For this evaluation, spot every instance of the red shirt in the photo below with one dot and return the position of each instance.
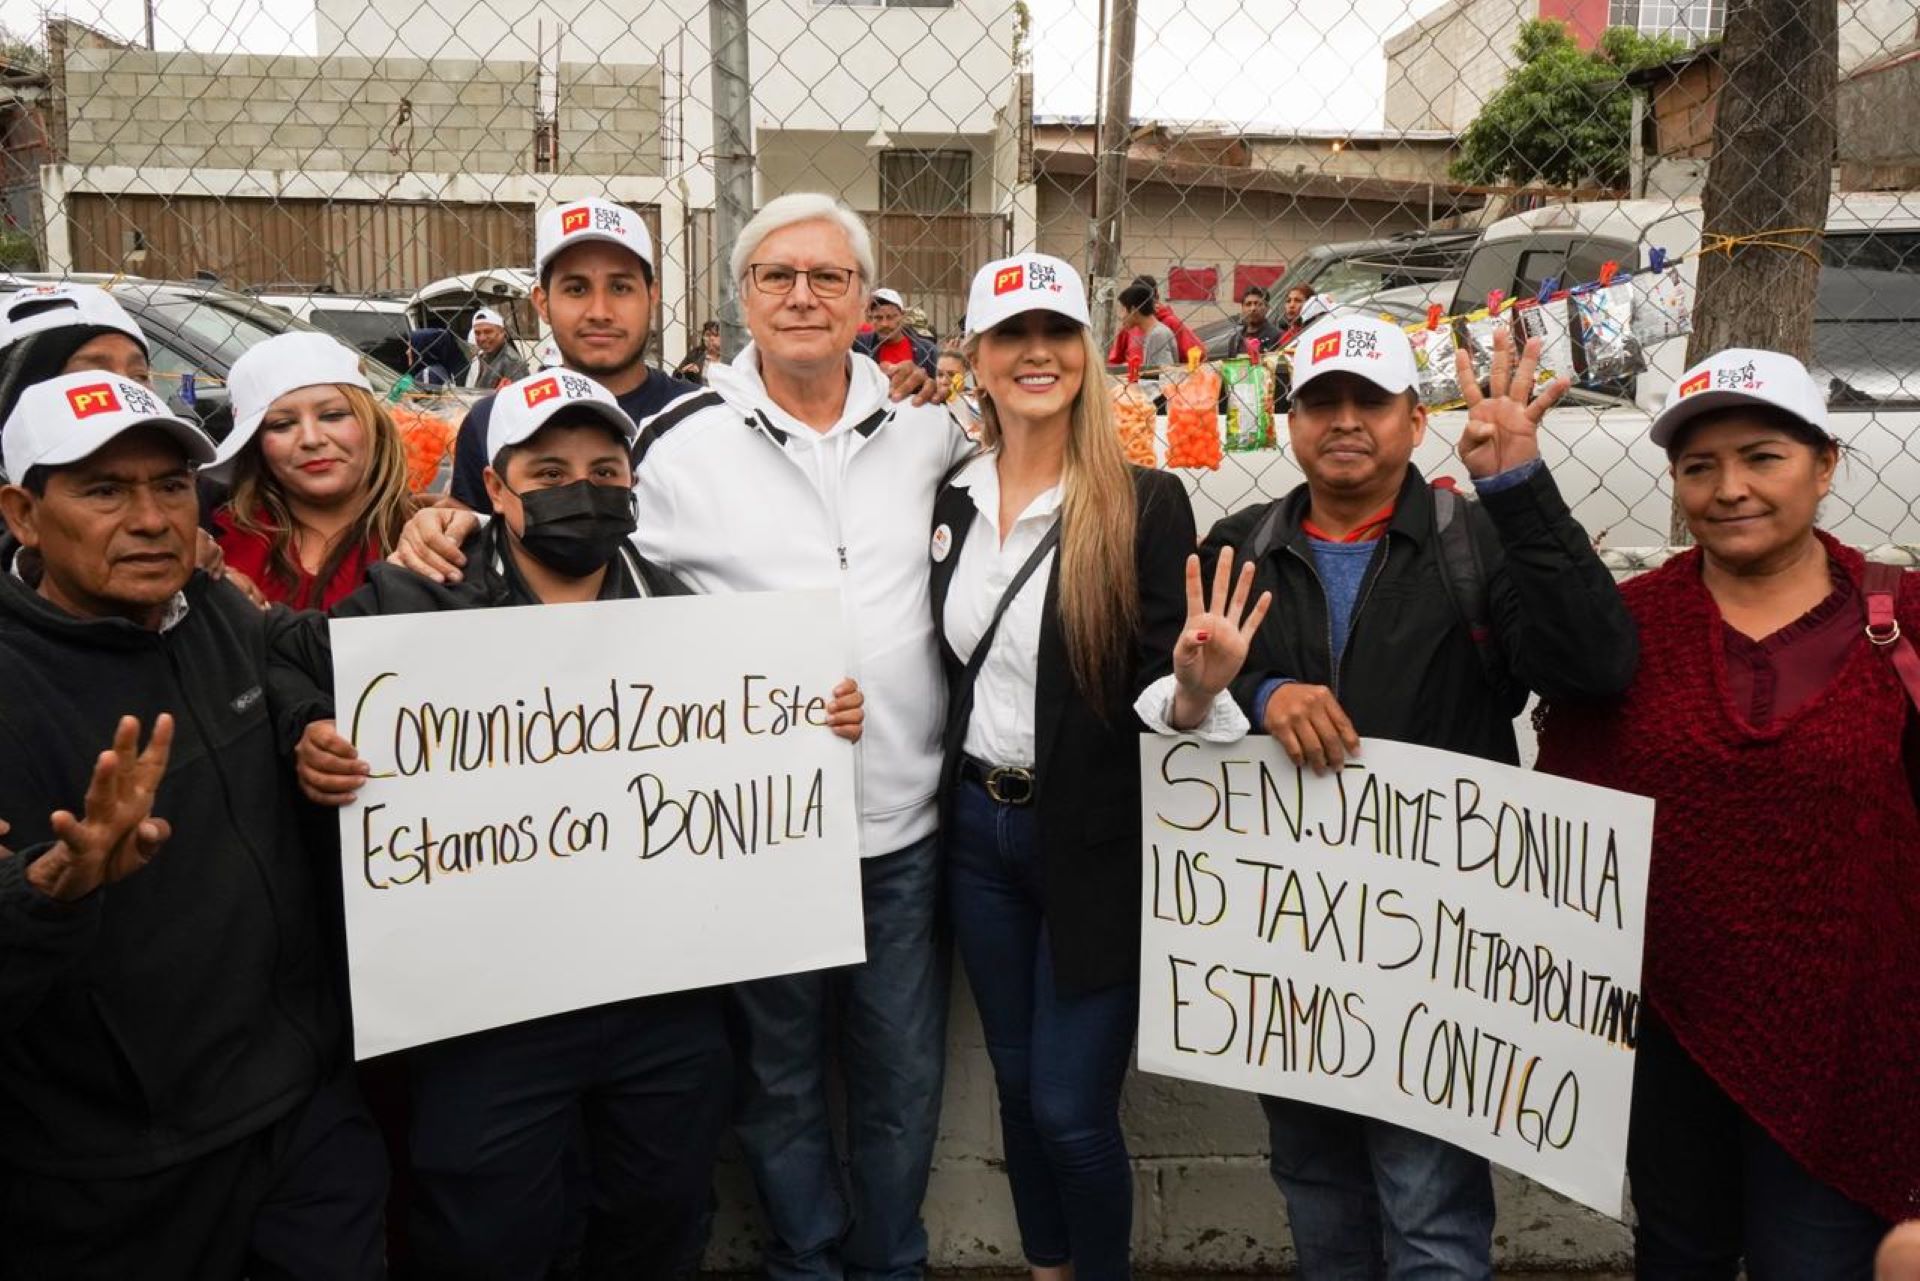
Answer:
(895, 352)
(252, 555)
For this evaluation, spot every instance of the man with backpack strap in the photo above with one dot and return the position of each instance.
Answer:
(1404, 612)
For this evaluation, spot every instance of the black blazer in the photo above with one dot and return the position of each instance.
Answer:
(1087, 759)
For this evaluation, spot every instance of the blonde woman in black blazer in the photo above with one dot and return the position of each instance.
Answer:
(1071, 566)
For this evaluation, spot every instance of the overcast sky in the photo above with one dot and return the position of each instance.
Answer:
(1280, 63)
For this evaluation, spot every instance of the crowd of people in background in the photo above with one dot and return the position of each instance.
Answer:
(176, 1095)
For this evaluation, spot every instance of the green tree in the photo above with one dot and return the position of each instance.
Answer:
(1564, 114)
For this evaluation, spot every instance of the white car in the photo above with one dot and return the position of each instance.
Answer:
(1866, 346)
(375, 326)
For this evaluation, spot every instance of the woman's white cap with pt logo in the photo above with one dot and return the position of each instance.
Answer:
(1026, 282)
(1741, 376)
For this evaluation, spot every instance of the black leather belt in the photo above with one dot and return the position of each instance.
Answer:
(1007, 784)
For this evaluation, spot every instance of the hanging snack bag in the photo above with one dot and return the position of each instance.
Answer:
(1662, 306)
(1134, 415)
(1437, 379)
(1193, 416)
(1249, 425)
(1476, 332)
(1603, 315)
(1546, 319)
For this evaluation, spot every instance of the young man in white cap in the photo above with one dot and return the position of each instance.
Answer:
(596, 292)
(647, 1081)
(494, 362)
(1406, 612)
(172, 1099)
(890, 340)
(796, 469)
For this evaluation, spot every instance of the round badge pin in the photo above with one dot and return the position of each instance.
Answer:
(942, 543)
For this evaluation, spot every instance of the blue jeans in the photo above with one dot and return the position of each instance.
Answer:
(1711, 1188)
(1370, 1200)
(1058, 1061)
(890, 1016)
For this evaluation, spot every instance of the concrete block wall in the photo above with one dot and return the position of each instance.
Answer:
(1202, 1199)
(351, 114)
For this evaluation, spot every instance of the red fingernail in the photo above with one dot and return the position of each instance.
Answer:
(1200, 638)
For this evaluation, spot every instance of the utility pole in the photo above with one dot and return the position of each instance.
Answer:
(1774, 145)
(732, 153)
(1110, 182)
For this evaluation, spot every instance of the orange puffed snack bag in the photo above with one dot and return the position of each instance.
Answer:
(427, 440)
(1193, 416)
(1133, 414)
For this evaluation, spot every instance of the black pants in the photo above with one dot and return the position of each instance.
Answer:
(1712, 1190)
(646, 1083)
(299, 1199)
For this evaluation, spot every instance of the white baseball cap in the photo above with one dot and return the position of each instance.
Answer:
(522, 408)
(1377, 350)
(66, 419)
(1741, 376)
(485, 316)
(269, 370)
(888, 295)
(563, 226)
(44, 307)
(1025, 282)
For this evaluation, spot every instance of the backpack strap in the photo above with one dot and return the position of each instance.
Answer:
(1882, 586)
(1466, 579)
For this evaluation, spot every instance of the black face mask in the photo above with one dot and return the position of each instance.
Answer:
(576, 528)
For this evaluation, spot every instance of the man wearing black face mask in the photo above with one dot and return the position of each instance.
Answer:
(650, 1078)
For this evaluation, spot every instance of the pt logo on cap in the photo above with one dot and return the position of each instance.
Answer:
(545, 389)
(1008, 279)
(1699, 382)
(99, 398)
(575, 220)
(1326, 347)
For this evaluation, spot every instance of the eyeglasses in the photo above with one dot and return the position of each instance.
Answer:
(822, 282)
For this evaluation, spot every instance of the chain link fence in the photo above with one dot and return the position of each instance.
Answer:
(374, 166)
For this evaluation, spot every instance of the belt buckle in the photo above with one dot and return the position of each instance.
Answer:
(1019, 775)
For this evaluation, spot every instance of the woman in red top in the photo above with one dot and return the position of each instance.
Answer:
(318, 472)
(1776, 1110)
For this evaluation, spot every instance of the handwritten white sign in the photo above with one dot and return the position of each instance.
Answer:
(577, 804)
(1432, 939)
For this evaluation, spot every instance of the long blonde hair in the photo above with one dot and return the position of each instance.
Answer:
(258, 505)
(1099, 582)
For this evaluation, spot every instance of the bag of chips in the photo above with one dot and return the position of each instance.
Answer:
(1604, 317)
(1193, 417)
(1476, 333)
(1249, 424)
(1662, 306)
(1436, 376)
(1134, 416)
(1547, 321)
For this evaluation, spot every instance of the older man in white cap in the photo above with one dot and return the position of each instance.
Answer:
(1407, 612)
(889, 339)
(172, 1103)
(494, 359)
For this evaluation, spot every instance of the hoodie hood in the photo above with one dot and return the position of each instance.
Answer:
(740, 385)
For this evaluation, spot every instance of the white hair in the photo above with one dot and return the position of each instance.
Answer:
(799, 207)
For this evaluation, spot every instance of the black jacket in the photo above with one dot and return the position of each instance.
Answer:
(1087, 759)
(188, 1005)
(1411, 670)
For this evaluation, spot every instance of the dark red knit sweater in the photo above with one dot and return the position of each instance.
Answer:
(1783, 915)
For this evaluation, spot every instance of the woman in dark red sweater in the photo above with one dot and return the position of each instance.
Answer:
(1776, 1110)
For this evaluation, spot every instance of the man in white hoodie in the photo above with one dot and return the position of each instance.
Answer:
(795, 470)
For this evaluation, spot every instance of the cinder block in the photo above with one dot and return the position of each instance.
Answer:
(1214, 1214)
(1166, 1117)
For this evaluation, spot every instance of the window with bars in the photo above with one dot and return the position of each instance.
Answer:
(925, 182)
(1692, 20)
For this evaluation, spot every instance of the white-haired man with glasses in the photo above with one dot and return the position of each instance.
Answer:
(829, 484)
